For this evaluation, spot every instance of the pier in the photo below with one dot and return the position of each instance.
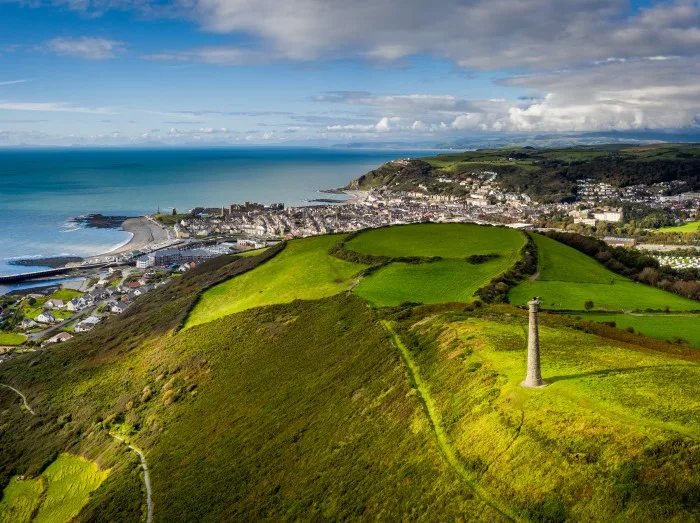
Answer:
(37, 275)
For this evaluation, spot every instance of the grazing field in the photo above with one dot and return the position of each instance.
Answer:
(665, 327)
(302, 271)
(437, 282)
(608, 436)
(559, 262)
(687, 227)
(57, 496)
(66, 294)
(447, 240)
(568, 278)
(253, 252)
(11, 338)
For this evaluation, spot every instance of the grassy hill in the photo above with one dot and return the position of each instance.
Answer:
(288, 406)
(303, 271)
(671, 327)
(545, 174)
(568, 278)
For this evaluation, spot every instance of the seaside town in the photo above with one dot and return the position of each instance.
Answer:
(166, 245)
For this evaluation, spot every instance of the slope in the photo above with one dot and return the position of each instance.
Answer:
(568, 278)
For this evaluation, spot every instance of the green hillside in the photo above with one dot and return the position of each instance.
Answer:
(667, 327)
(546, 174)
(568, 278)
(686, 227)
(447, 240)
(303, 271)
(301, 402)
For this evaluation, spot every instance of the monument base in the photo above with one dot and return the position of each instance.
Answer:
(525, 384)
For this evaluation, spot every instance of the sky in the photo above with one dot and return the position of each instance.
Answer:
(210, 72)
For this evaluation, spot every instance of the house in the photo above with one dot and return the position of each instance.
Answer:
(27, 323)
(87, 324)
(74, 305)
(46, 317)
(54, 304)
(58, 338)
(118, 308)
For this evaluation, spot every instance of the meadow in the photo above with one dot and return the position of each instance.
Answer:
(667, 327)
(302, 271)
(568, 278)
(685, 228)
(11, 338)
(437, 282)
(451, 279)
(56, 496)
(447, 240)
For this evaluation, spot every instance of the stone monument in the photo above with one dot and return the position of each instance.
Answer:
(534, 375)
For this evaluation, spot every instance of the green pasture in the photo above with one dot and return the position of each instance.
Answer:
(11, 338)
(667, 327)
(66, 294)
(57, 496)
(302, 271)
(568, 278)
(686, 227)
(254, 252)
(437, 282)
(559, 262)
(448, 240)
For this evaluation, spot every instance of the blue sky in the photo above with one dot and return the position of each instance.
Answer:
(121, 72)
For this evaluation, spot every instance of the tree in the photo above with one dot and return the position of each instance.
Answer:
(588, 305)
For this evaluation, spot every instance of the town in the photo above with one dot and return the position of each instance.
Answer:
(204, 233)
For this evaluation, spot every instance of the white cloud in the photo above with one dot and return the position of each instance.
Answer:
(51, 107)
(86, 47)
(12, 82)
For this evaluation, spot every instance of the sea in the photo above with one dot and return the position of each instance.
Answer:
(43, 190)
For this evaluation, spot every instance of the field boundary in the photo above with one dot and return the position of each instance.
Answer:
(448, 452)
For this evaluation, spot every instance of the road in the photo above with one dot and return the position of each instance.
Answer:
(24, 398)
(146, 477)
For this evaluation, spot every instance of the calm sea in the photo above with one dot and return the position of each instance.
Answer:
(41, 190)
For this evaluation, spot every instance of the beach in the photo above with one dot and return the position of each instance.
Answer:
(145, 232)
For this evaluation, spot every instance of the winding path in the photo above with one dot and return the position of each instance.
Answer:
(435, 422)
(24, 398)
(146, 477)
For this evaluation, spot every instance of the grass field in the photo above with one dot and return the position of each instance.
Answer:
(608, 435)
(687, 227)
(568, 278)
(254, 252)
(11, 338)
(302, 271)
(448, 240)
(57, 496)
(438, 282)
(661, 326)
(66, 294)
(449, 280)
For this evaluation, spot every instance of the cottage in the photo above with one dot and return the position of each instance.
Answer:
(54, 304)
(58, 338)
(46, 317)
(27, 323)
(118, 308)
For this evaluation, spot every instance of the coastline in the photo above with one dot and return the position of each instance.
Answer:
(144, 233)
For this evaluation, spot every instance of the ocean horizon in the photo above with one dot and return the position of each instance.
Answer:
(43, 190)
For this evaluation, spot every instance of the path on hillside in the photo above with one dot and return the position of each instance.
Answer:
(146, 477)
(435, 423)
(24, 398)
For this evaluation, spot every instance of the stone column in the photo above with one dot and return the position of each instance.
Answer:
(534, 376)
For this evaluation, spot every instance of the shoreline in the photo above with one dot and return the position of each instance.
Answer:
(144, 233)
